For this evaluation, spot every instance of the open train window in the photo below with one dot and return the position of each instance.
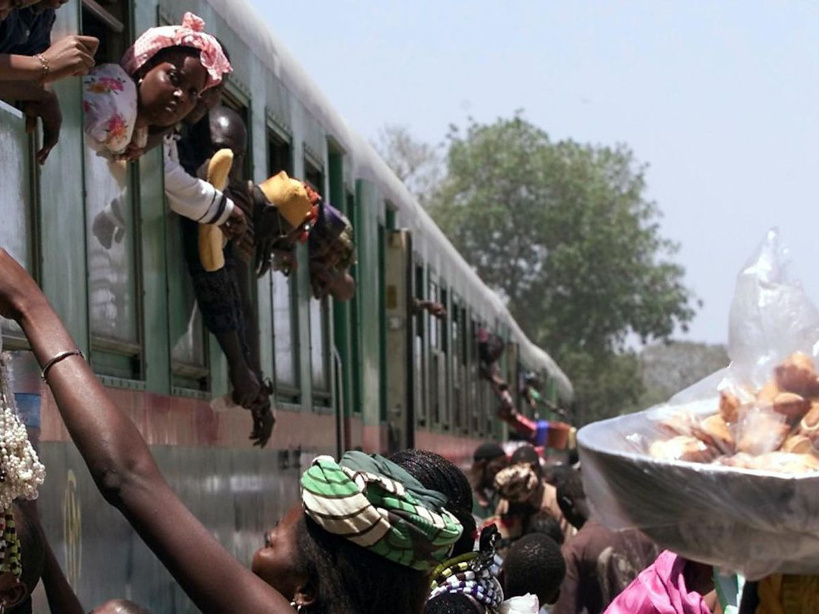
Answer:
(108, 20)
(319, 313)
(284, 290)
(113, 248)
(436, 386)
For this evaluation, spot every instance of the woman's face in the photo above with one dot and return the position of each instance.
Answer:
(275, 563)
(170, 90)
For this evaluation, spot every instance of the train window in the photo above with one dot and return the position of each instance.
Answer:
(474, 382)
(108, 21)
(319, 315)
(286, 327)
(112, 227)
(15, 197)
(435, 359)
(421, 375)
(319, 351)
(284, 291)
(445, 367)
(355, 323)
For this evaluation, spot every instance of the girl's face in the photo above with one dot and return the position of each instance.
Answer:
(275, 563)
(7, 7)
(170, 90)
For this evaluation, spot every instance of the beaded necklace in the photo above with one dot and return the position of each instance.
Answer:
(21, 472)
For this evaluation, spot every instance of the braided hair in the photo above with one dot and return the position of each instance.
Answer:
(437, 473)
(453, 603)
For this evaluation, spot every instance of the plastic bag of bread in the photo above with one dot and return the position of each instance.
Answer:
(727, 471)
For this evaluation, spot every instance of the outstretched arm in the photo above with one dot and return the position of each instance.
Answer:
(122, 465)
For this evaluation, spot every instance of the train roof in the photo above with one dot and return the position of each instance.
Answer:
(428, 239)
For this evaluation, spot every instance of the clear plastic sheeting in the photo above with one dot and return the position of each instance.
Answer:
(753, 521)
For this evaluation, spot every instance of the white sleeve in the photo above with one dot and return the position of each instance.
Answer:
(192, 197)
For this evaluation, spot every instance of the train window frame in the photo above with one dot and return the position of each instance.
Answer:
(357, 392)
(434, 355)
(445, 332)
(420, 346)
(119, 363)
(315, 175)
(279, 137)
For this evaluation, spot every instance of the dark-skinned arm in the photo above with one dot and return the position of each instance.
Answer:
(124, 469)
(61, 597)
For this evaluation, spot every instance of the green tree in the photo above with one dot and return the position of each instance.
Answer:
(417, 164)
(668, 368)
(565, 233)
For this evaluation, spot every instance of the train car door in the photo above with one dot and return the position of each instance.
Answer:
(399, 358)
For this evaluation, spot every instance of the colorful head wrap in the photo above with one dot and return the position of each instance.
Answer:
(190, 34)
(473, 573)
(517, 483)
(377, 505)
(332, 226)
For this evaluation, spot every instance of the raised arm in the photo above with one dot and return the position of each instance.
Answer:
(122, 465)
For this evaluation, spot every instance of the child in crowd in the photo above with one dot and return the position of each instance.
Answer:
(487, 460)
(156, 84)
(119, 606)
(533, 566)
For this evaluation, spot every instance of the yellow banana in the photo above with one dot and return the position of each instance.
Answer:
(211, 239)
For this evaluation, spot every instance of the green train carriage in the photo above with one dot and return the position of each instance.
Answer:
(367, 373)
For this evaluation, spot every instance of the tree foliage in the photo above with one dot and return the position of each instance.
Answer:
(565, 233)
(419, 165)
(668, 368)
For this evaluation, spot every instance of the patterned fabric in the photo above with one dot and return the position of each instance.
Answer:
(517, 483)
(377, 505)
(473, 573)
(110, 105)
(190, 34)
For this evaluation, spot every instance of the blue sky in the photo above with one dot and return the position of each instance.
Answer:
(720, 99)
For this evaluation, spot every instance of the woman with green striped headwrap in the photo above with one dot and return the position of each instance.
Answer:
(366, 540)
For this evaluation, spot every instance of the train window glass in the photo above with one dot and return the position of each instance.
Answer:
(319, 315)
(319, 352)
(474, 394)
(457, 389)
(112, 226)
(434, 360)
(108, 21)
(284, 290)
(15, 197)
(285, 326)
(445, 369)
(421, 375)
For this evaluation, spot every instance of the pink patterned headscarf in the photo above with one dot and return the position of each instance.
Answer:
(190, 34)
